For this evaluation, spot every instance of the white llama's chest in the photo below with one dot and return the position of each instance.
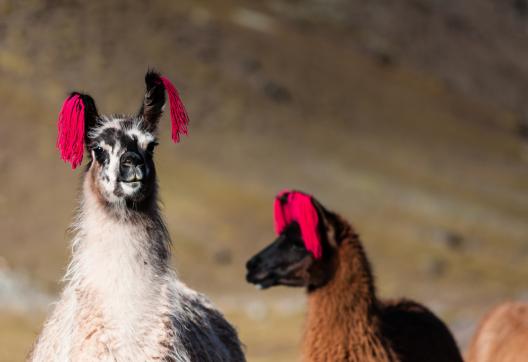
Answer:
(137, 332)
(122, 303)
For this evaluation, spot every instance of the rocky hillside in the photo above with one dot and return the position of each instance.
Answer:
(407, 117)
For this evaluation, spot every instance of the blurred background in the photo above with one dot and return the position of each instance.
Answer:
(409, 118)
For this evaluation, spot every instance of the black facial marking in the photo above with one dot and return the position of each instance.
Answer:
(127, 124)
(108, 136)
(129, 144)
(151, 146)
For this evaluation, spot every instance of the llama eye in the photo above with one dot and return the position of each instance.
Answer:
(99, 154)
(151, 146)
(299, 243)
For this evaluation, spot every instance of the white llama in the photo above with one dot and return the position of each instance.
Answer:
(121, 301)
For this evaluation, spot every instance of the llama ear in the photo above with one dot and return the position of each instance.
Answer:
(90, 115)
(327, 226)
(152, 107)
(297, 206)
(77, 116)
(154, 101)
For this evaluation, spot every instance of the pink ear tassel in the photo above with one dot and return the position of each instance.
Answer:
(299, 208)
(280, 220)
(305, 214)
(70, 138)
(179, 117)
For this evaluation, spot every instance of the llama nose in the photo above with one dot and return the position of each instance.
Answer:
(132, 167)
(252, 262)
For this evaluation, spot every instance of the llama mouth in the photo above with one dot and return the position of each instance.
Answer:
(267, 283)
(130, 187)
(262, 280)
(131, 183)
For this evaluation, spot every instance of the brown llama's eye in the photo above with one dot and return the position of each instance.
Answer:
(297, 242)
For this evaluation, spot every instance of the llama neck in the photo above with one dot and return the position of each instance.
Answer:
(117, 255)
(342, 321)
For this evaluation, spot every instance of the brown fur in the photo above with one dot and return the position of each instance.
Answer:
(502, 336)
(346, 321)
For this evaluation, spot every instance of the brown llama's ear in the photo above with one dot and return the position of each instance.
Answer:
(327, 226)
(154, 100)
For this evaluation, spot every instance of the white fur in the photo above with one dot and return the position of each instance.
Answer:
(106, 123)
(121, 301)
(130, 188)
(111, 170)
(143, 138)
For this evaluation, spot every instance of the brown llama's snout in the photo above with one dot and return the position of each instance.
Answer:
(284, 262)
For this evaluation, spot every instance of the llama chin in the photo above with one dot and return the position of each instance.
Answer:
(130, 188)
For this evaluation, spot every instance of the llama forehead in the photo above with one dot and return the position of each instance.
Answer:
(143, 138)
(121, 132)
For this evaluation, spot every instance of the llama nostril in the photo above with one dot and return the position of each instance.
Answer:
(140, 172)
(131, 159)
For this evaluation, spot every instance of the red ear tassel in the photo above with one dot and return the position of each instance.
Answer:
(280, 218)
(299, 208)
(70, 138)
(179, 117)
(304, 212)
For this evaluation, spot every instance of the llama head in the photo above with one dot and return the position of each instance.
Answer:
(301, 255)
(121, 168)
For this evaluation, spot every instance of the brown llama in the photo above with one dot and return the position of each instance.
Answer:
(502, 335)
(345, 321)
